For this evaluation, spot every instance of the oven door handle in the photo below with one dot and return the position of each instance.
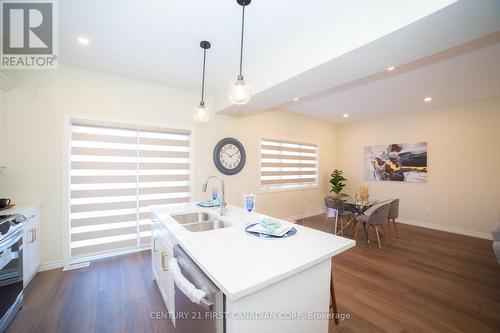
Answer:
(188, 288)
(6, 251)
(11, 240)
(5, 257)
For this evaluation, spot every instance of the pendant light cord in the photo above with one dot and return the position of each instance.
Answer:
(241, 46)
(203, 76)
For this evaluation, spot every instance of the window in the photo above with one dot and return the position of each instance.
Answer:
(288, 165)
(116, 173)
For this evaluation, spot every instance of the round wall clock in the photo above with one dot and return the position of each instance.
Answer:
(229, 156)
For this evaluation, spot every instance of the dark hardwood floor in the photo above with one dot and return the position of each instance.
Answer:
(425, 281)
(112, 295)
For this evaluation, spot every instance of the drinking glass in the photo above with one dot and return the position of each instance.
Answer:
(249, 200)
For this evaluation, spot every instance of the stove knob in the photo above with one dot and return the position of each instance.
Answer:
(19, 219)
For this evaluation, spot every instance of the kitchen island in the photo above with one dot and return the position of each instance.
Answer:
(280, 285)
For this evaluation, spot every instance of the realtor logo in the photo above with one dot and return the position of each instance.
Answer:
(28, 34)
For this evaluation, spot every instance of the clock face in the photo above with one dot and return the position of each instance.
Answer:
(229, 156)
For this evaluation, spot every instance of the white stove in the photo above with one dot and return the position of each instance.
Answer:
(11, 267)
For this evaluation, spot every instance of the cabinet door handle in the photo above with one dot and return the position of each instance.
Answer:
(164, 256)
(154, 244)
(32, 235)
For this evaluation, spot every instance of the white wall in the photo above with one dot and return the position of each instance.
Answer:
(463, 189)
(33, 145)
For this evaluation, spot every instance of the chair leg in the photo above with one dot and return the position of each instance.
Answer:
(378, 237)
(333, 301)
(342, 226)
(356, 231)
(326, 219)
(335, 224)
(395, 227)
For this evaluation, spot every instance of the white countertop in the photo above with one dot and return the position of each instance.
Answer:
(240, 264)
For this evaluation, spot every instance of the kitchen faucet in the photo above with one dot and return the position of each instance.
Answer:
(223, 208)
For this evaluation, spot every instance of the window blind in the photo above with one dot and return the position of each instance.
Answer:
(115, 174)
(288, 165)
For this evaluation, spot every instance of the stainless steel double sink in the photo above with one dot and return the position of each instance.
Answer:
(198, 222)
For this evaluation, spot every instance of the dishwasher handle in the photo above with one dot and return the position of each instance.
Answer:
(194, 294)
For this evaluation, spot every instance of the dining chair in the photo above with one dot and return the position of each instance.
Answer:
(377, 216)
(393, 215)
(336, 209)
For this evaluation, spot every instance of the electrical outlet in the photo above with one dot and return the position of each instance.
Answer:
(427, 209)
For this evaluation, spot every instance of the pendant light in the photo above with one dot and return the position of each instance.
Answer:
(202, 114)
(239, 91)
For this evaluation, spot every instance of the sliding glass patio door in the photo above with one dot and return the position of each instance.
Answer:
(116, 173)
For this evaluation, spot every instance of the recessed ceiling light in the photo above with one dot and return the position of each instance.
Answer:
(391, 68)
(295, 99)
(346, 115)
(427, 99)
(83, 40)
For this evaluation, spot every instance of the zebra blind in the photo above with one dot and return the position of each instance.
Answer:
(288, 165)
(116, 173)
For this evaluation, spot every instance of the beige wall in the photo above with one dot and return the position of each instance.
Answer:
(463, 188)
(33, 144)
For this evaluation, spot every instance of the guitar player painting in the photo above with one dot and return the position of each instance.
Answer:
(400, 162)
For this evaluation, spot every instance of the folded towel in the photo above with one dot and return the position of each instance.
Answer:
(209, 203)
(279, 232)
(195, 295)
(270, 224)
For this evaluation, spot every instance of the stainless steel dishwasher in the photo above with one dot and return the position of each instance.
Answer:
(206, 317)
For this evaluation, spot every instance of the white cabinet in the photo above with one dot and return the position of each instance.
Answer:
(165, 276)
(161, 253)
(31, 243)
(155, 252)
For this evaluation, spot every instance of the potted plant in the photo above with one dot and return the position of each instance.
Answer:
(337, 184)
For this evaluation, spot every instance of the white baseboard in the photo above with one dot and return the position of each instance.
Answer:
(305, 215)
(110, 254)
(47, 266)
(446, 228)
(54, 264)
(76, 266)
(415, 223)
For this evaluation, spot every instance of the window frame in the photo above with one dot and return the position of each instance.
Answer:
(264, 190)
(68, 120)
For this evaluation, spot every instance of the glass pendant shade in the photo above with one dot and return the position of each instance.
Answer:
(239, 92)
(201, 113)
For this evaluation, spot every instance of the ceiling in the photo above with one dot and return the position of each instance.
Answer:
(471, 76)
(331, 54)
(459, 28)
(158, 40)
